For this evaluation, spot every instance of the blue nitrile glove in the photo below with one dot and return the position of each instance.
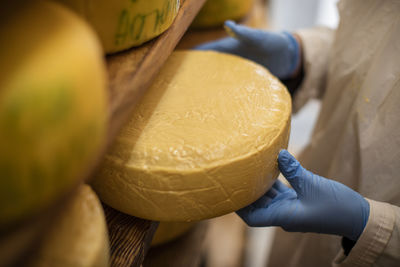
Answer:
(279, 52)
(315, 204)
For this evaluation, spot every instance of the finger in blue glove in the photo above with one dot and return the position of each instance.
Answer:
(313, 204)
(277, 51)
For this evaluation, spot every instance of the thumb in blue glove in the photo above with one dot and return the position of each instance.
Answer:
(315, 204)
(278, 52)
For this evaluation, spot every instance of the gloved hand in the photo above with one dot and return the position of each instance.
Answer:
(315, 204)
(278, 52)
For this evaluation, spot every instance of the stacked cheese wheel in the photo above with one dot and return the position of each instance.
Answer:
(202, 142)
(215, 12)
(53, 107)
(122, 24)
(78, 236)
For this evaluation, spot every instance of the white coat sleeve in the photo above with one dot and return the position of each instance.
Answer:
(379, 244)
(316, 44)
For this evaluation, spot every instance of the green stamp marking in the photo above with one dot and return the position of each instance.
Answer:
(130, 26)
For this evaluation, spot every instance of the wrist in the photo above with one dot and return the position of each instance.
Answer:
(361, 212)
(295, 79)
(299, 63)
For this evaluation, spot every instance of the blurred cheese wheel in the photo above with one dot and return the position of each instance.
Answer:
(168, 231)
(203, 141)
(122, 24)
(53, 106)
(78, 236)
(215, 12)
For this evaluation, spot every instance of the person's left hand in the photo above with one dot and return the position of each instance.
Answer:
(279, 52)
(315, 204)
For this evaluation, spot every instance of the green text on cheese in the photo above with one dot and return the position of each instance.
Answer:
(122, 24)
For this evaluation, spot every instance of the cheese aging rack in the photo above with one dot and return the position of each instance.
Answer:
(130, 73)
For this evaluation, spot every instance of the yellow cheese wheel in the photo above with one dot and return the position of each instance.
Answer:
(168, 231)
(122, 24)
(215, 12)
(203, 141)
(78, 236)
(52, 106)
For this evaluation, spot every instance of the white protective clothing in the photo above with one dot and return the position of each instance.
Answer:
(356, 141)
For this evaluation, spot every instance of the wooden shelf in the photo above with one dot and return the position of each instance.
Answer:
(130, 74)
(129, 237)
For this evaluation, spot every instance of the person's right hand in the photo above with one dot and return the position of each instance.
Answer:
(279, 52)
(313, 204)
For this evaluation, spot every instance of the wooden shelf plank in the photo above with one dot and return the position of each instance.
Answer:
(130, 237)
(130, 74)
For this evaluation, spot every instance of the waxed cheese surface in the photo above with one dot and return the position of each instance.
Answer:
(202, 142)
(53, 106)
(216, 12)
(78, 236)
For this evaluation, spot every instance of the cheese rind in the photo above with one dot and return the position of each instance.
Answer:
(202, 142)
(216, 12)
(78, 236)
(122, 24)
(53, 107)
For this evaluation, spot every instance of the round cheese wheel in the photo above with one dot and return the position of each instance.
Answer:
(53, 106)
(203, 141)
(215, 12)
(78, 236)
(122, 24)
(168, 231)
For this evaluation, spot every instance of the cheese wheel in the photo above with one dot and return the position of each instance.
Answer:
(215, 12)
(52, 106)
(78, 236)
(168, 231)
(122, 24)
(203, 141)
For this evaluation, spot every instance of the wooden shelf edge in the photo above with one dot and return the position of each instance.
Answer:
(130, 237)
(130, 74)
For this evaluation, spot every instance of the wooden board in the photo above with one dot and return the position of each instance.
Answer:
(129, 237)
